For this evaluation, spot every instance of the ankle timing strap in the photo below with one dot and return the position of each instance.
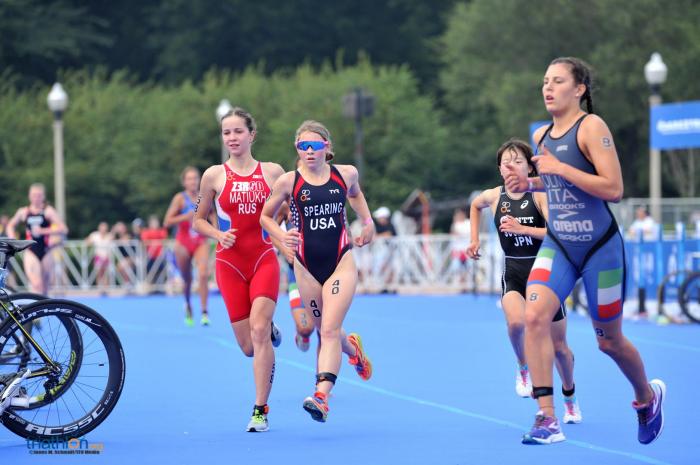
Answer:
(568, 393)
(542, 391)
(325, 376)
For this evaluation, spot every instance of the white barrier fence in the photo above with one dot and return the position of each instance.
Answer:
(406, 264)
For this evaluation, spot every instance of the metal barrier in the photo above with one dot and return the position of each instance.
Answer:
(406, 264)
(425, 264)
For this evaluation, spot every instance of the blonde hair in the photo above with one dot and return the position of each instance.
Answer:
(317, 128)
(37, 185)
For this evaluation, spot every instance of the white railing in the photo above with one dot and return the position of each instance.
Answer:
(407, 264)
(420, 264)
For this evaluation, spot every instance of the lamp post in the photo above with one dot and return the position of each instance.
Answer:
(223, 108)
(58, 102)
(655, 72)
(356, 105)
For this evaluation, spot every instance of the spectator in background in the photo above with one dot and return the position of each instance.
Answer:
(382, 251)
(644, 226)
(459, 230)
(152, 238)
(126, 254)
(101, 240)
(382, 217)
(136, 228)
(4, 219)
(695, 220)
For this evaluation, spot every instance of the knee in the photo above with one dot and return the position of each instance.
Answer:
(561, 349)
(260, 331)
(610, 347)
(536, 319)
(328, 334)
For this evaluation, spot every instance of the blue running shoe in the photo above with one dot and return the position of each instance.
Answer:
(651, 414)
(275, 335)
(546, 430)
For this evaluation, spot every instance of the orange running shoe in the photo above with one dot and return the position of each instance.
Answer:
(360, 361)
(317, 406)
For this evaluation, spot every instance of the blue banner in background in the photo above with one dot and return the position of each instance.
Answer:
(675, 126)
(534, 126)
(649, 262)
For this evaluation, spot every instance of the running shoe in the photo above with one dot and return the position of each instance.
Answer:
(275, 335)
(302, 342)
(189, 321)
(546, 430)
(205, 319)
(572, 412)
(360, 361)
(258, 422)
(523, 384)
(651, 414)
(317, 406)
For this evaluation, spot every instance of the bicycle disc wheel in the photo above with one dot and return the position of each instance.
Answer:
(79, 395)
(689, 297)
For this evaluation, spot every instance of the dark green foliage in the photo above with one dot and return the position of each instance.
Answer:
(127, 142)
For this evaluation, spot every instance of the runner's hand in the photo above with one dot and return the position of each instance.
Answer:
(513, 181)
(546, 163)
(510, 225)
(291, 239)
(365, 236)
(473, 251)
(227, 238)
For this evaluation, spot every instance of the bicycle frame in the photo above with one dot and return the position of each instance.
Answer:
(52, 367)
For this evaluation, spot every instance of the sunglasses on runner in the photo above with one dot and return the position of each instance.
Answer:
(315, 145)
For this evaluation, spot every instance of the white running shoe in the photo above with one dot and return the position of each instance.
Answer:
(258, 422)
(572, 411)
(523, 384)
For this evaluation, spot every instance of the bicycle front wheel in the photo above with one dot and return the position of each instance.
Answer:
(689, 297)
(78, 393)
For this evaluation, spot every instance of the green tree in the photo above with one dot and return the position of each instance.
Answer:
(174, 40)
(126, 141)
(496, 52)
(38, 37)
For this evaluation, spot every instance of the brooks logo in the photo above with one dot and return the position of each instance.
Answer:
(562, 148)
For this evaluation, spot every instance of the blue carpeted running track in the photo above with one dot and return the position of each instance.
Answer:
(442, 392)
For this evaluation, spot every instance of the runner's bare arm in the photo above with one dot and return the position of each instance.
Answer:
(358, 203)
(172, 215)
(205, 200)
